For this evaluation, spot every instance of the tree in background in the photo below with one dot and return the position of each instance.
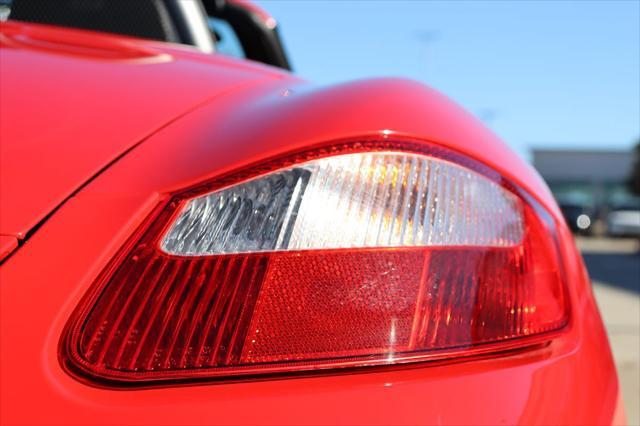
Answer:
(634, 181)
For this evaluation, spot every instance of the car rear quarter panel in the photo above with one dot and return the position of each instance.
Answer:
(570, 380)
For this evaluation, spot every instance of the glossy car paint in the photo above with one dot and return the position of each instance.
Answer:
(49, 78)
(570, 380)
(8, 243)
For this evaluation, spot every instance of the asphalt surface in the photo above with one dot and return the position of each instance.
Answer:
(614, 267)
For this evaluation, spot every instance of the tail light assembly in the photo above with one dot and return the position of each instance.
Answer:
(354, 254)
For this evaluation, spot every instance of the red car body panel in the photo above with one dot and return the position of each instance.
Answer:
(249, 113)
(8, 243)
(54, 75)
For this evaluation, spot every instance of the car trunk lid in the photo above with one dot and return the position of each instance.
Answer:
(73, 102)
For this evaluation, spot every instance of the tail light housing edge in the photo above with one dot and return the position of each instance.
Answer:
(357, 253)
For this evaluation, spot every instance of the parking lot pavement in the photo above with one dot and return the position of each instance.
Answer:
(614, 267)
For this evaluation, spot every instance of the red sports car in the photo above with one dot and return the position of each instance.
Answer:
(189, 238)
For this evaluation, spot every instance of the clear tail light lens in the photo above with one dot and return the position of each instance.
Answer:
(332, 258)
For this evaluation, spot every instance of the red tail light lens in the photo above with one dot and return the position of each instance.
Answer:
(354, 255)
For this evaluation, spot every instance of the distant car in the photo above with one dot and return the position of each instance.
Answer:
(188, 238)
(624, 219)
(579, 217)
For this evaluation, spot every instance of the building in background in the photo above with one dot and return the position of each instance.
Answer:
(588, 184)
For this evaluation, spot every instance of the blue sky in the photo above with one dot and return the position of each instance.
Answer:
(539, 73)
